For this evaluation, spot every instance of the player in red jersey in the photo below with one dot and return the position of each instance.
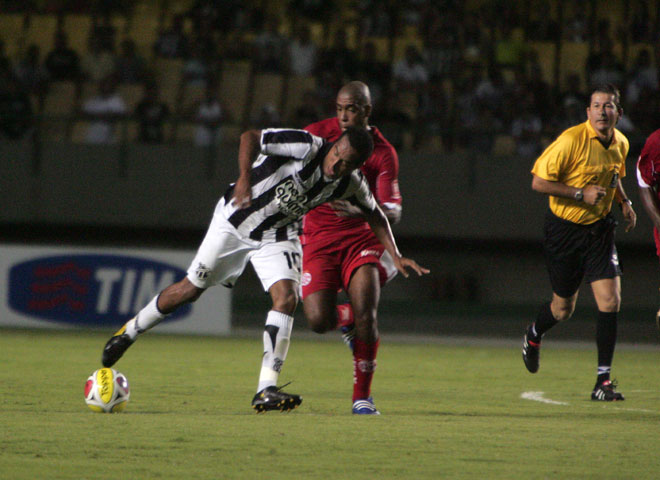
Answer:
(340, 252)
(648, 179)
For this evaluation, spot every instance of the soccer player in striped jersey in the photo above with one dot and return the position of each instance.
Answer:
(648, 180)
(283, 174)
(341, 252)
(581, 173)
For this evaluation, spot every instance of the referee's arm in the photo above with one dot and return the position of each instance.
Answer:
(591, 194)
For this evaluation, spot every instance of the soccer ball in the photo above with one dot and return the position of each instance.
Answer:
(106, 391)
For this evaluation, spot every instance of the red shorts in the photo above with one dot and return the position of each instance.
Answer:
(656, 237)
(330, 263)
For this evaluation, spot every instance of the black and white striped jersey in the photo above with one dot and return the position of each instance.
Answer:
(287, 180)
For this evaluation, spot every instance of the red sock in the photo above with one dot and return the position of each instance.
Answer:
(344, 315)
(364, 364)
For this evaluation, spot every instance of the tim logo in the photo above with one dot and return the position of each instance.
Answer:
(95, 290)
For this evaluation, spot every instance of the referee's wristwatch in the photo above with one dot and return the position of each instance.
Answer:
(625, 200)
(579, 195)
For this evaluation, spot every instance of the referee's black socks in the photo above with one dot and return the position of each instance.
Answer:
(606, 327)
(544, 322)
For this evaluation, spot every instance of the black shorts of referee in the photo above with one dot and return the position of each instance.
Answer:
(574, 252)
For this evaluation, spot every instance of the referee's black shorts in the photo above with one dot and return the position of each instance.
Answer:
(574, 252)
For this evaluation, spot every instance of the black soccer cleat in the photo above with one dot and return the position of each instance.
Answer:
(531, 352)
(605, 392)
(273, 398)
(115, 347)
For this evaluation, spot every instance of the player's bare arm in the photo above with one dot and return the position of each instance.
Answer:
(344, 208)
(629, 214)
(247, 151)
(381, 228)
(591, 194)
(651, 205)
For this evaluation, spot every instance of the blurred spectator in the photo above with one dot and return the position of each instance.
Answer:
(130, 66)
(303, 54)
(268, 116)
(574, 93)
(608, 69)
(5, 64)
(32, 75)
(339, 57)
(309, 111)
(541, 24)
(643, 77)
(373, 71)
(540, 90)
(196, 71)
(103, 32)
(640, 22)
(103, 110)
(393, 121)
(466, 107)
(526, 129)
(486, 127)
(572, 112)
(576, 28)
(209, 116)
(270, 48)
(205, 13)
(441, 51)
(327, 85)
(151, 114)
(15, 108)
(62, 62)
(490, 89)
(172, 42)
(474, 40)
(375, 18)
(435, 118)
(409, 73)
(510, 48)
(98, 63)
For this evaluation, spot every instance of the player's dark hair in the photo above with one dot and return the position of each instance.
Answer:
(361, 141)
(610, 89)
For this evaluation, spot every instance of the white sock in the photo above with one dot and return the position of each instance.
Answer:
(276, 345)
(146, 318)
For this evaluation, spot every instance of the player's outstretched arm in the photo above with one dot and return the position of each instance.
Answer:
(247, 151)
(381, 228)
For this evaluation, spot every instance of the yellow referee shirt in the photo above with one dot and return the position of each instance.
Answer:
(577, 158)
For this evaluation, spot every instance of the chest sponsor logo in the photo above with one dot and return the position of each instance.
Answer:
(89, 289)
(289, 199)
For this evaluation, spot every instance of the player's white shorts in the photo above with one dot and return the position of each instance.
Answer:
(224, 254)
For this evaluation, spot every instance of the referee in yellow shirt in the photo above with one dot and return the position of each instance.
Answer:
(581, 173)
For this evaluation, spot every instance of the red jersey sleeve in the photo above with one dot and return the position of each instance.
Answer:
(328, 129)
(648, 164)
(387, 182)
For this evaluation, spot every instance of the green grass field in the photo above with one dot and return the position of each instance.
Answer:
(448, 411)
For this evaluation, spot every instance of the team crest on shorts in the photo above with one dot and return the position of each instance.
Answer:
(306, 278)
(202, 271)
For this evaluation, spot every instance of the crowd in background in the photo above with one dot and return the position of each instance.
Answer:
(467, 77)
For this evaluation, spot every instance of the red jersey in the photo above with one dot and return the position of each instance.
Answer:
(381, 171)
(648, 172)
(648, 164)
